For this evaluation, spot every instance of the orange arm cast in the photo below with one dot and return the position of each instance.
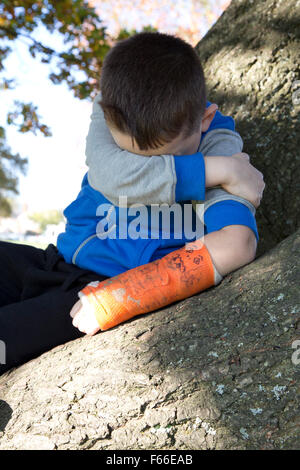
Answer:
(180, 274)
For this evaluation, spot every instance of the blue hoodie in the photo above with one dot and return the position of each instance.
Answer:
(96, 233)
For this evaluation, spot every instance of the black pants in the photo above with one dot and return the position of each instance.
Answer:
(37, 291)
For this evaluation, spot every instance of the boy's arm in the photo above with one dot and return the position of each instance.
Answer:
(147, 180)
(223, 142)
(157, 179)
(114, 171)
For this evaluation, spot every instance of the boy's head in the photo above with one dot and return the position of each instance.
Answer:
(153, 94)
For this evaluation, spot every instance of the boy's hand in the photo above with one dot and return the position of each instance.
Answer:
(84, 319)
(243, 179)
(236, 175)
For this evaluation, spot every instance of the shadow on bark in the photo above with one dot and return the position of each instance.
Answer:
(5, 414)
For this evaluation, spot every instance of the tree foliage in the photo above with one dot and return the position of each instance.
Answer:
(82, 30)
(9, 163)
(78, 64)
(47, 218)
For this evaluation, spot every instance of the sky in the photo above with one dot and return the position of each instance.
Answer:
(57, 164)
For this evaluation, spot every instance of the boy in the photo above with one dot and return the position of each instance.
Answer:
(113, 172)
(38, 288)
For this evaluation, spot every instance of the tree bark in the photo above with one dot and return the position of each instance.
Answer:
(212, 372)
(251, 58)
(218, 370)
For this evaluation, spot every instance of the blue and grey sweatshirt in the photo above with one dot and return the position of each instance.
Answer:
(96, 233)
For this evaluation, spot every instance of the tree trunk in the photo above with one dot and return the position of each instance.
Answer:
(212, 372)
(218, 370)
(251, 58)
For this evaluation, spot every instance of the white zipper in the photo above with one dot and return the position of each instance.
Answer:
(81, 246)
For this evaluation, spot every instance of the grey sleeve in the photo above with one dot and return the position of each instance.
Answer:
(115, 172)
(221, 142)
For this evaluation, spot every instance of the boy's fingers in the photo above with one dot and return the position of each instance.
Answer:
(82, 320)
(242, 155)
(245, 155)
(75, 321)
(78, 318)
(92, 332)
(91, 329)
(90, 325)
(76, 307)
(85, 324)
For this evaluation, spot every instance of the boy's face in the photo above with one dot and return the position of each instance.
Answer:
(178, 146)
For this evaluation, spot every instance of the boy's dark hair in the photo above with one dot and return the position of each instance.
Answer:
(153, 88)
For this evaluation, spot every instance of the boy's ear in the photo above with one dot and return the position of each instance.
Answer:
(208, 116)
